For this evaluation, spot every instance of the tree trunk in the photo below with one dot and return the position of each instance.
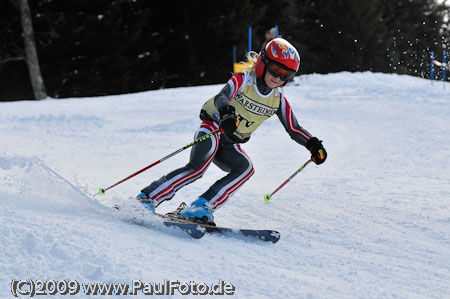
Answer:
(30, 51)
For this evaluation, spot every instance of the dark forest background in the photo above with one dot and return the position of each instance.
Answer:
(100, 47)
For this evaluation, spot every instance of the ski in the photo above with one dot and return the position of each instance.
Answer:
(198, 230)
(192, 229)
(260, 234)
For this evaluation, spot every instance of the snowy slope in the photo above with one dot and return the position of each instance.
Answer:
(373, 221)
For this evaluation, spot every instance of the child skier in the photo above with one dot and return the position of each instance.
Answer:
(238, 109)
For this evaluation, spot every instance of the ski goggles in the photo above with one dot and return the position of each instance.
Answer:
(278, 71)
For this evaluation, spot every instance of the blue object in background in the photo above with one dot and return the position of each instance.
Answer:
(444, 68)
(249, 38)
(432, 67)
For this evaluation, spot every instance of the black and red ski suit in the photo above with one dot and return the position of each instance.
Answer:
(254, 103)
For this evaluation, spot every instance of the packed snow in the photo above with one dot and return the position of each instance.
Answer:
(372, 222)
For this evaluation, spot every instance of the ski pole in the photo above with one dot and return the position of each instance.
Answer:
(102, 191)
(268, 197)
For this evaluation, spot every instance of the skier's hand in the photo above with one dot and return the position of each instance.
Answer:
(228, 120)
(318, 152)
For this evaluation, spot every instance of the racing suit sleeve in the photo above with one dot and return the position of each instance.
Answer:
(228, 92)
(290, 123)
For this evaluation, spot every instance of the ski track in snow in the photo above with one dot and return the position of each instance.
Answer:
(372, 222)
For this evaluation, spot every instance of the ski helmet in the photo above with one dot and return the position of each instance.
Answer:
(278, 52)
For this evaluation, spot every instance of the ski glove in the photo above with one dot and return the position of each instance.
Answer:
(228, 120)
(318, 152)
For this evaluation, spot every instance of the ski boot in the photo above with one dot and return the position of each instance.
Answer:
(200, 211)
(146, 201)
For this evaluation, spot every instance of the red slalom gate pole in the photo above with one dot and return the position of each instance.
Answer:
(102, 191)
(268, 197)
